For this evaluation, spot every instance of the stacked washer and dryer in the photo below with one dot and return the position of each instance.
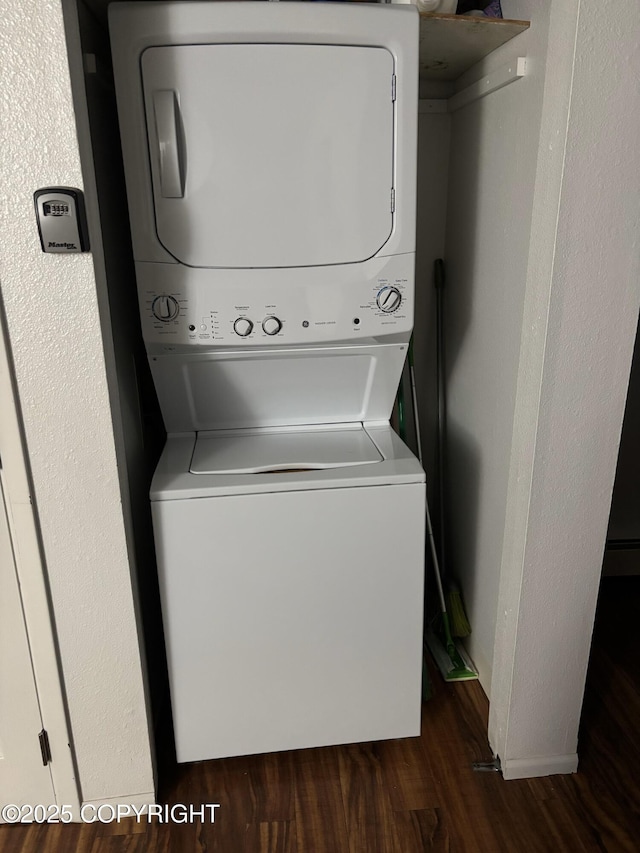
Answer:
(270, 162)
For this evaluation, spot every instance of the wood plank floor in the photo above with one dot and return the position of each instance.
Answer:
(410, 795)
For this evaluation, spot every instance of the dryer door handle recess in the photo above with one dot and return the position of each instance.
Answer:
(166, 111)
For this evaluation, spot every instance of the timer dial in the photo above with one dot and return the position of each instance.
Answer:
(165, 308)
(389, 299)
(271, 325)
(243, 327)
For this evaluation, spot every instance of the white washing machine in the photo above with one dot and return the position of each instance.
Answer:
(270, 161)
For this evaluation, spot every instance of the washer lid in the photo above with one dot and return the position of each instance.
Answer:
(268, 451)
(270, 155)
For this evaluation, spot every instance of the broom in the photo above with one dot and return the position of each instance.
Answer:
(451, 659)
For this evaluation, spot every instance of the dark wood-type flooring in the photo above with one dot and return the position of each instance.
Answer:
(415, 794)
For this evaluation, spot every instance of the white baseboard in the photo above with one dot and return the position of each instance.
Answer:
(550, 765)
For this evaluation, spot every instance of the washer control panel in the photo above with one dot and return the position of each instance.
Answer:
(264, 307)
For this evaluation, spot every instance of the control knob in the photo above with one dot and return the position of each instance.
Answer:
(165, 308)
(389, 299)
(243, 327)
(271, 325)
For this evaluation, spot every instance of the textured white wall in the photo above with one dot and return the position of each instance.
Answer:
(54, 329)
(578, 334)
(492, 172)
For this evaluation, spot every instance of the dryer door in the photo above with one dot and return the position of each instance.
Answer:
(270, 155)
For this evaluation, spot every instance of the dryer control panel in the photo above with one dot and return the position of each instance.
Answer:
(244, 308)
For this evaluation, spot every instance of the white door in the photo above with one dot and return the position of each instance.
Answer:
(24, 778)
(270, 155)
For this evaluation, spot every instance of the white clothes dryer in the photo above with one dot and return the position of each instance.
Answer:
(269, 153)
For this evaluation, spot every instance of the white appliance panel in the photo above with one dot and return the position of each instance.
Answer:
(293, 619)
(276, 155)
(314, 305)
(223, 390)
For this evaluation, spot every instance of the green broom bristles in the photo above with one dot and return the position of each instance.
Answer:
(458, 621)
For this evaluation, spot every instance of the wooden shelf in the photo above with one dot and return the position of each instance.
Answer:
(450, 44)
